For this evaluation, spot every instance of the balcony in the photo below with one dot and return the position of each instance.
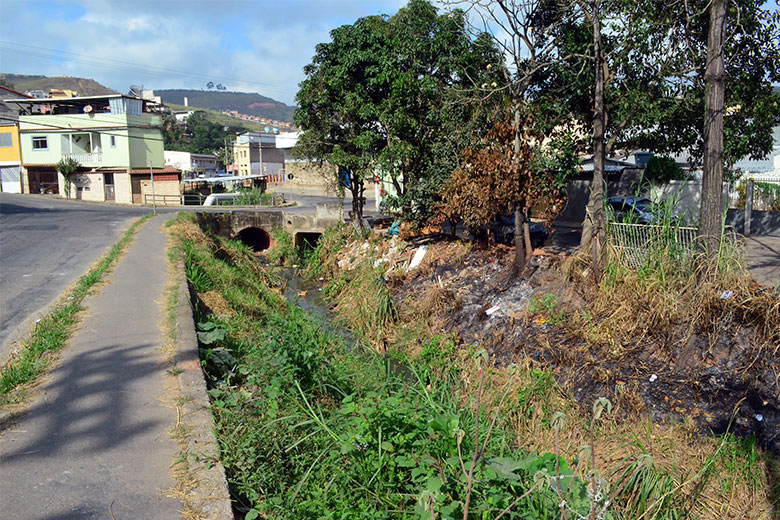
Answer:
(86, 159)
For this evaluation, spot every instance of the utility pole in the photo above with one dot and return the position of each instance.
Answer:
(225, 128)
(154, 198)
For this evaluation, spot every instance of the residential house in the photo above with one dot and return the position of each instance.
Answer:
(10, 150)
(115, 138)
(58, 93)
(193, 164)
(256, 154)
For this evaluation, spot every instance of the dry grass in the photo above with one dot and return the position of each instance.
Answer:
(688, 472)
(216, 303)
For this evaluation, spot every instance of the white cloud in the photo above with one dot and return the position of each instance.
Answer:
(258, 46)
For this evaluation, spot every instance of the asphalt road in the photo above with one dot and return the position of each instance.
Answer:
(45, 245)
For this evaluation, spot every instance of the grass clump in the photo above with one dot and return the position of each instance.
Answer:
(53, 330)
(283, 251)
(308, 429)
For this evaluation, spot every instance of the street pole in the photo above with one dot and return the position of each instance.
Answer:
(154, 198)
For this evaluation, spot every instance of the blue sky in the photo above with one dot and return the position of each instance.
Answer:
(247, 45)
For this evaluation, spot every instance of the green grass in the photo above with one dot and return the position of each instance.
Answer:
(307, 428)
(53, 330)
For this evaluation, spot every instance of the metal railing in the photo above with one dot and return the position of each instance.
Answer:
(193, 199)
(165, 200)
(634, 241)
(85, 158)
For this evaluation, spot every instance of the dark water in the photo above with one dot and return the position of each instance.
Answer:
(313, 302)
(315, 305)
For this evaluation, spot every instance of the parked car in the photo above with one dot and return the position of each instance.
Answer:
(636, 210)
(503, 231)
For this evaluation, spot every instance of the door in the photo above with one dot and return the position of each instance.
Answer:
(135, 184)
(109, 186)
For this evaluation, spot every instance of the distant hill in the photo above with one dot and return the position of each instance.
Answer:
(84, 86)
(242, 102)
(220, 118)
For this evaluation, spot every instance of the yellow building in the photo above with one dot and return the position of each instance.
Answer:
(10, 159)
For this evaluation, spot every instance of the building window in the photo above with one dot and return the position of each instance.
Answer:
(40, 143)
(6, 141)
(113, 141)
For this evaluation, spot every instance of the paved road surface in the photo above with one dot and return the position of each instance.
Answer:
(45, 245)
(762, 254)
(94, 442)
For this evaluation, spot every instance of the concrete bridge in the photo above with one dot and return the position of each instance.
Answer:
(254, 227)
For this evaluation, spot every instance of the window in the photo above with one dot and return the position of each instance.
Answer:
(40, 143)
(6, 141)
(113, 141)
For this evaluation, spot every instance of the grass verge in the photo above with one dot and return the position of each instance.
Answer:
(666, 467)
(308, 429)
(53, 330)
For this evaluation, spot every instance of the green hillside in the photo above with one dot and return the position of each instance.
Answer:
(84, 86)
(219, 118)
(244, 102)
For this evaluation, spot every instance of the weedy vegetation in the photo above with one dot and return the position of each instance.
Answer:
(309, 428)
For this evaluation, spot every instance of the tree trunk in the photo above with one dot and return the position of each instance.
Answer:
(593, 226)
(519, 247)
(356, 187)
(710, 226)
(527, 234)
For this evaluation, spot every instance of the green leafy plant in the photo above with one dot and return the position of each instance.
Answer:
(68, 167)
(547, 305)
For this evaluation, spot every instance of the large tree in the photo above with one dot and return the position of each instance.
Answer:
(339, 103)
(379, 98)
(423, 117)
(651, 81)
(522, 30)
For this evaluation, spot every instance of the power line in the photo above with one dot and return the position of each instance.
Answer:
(123, 66)
(84, 130)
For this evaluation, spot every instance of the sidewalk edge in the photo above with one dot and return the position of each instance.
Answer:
(211, 491)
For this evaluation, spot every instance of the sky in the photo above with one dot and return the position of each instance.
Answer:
(247, 45)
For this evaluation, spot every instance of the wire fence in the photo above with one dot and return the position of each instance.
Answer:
(635, 241)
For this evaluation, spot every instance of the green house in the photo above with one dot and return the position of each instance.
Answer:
(116, 139)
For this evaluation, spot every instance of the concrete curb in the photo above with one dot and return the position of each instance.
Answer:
(210, 495)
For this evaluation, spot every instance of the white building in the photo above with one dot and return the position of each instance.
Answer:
(192, 164)
(285, 141)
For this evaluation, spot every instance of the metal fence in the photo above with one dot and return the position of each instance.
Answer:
(165, 200)
(765, 197)
(634, 241)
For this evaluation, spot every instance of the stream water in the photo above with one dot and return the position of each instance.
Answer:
(307, 294)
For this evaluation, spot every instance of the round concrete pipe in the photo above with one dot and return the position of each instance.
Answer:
(256, 238)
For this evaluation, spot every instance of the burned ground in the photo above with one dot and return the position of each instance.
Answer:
(719, 372)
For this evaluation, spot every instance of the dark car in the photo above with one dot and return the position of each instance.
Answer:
(503, 231)
(635, 210)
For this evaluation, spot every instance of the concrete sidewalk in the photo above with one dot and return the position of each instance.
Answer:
(762, 254)
(94, 443)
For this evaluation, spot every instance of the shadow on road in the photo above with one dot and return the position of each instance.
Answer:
(87, 408)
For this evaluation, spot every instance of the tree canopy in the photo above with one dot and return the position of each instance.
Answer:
(380, 97)
(198, 134)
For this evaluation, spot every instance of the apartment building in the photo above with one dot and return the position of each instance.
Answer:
(256, 154)
(116, 139)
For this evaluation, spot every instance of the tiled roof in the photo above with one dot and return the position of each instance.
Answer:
(167, 169)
